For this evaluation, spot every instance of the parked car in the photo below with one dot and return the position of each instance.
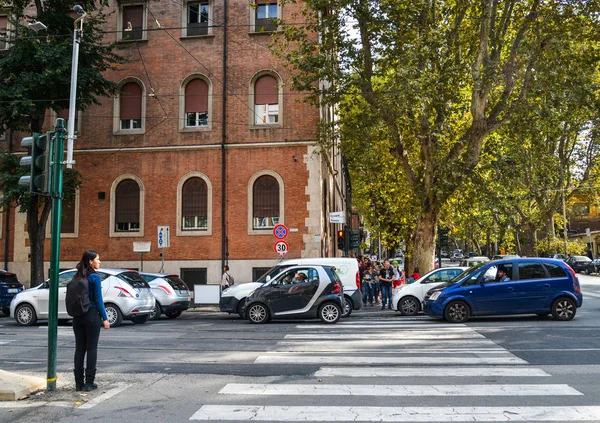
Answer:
(171, 293)
(9, 287)
(578, 263)
(473, 261)
(233, 298)
(505, 256)
(456, 256)
(318, 293)
(407, 298)
(126, 296)
(593, 266)
(558, 256)
(537, 285)
(445, 254)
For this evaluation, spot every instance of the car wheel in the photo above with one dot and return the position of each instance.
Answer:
(6, 311)
(25, 315)
(330, 313)
(457, 312)
(174, 314)
(115, 317)
(240, 308)
(409, 306)
(257, 313)
(156, 312)
(140, 320)
(563, 308)
(348, 307)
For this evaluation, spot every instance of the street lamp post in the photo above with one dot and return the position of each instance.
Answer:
(77, 33)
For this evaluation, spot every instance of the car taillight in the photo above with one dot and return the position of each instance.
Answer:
(166, 289)
(576, 286)
(175, 303)
(336, 288)
(123, 292)
(358, 280)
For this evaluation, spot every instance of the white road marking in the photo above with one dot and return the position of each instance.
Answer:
(403, 351)
(396, 414)
(404, 335)
(306, 359)
(375, 327)
(590, 294)
(387, 342)
(118, 389)
(321, 389)
(431, 372)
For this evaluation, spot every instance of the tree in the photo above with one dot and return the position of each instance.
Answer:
(441, 76)
(36, 75)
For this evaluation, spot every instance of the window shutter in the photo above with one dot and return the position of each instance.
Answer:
(127, 202)
(3, 25)
(265, 199)
(131, 101)
(194, 198)
(196, 96)
(265, 2)
(266, 90)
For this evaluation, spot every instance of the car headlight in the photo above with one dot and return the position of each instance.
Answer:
(435, 295)
(251, 293)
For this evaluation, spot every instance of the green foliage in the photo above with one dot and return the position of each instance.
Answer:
(549, 246)
(36, 70)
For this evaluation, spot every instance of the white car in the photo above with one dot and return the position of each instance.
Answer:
(126, 296)
(171, 293)
(233, 298)
(474, 261)
(407, 298)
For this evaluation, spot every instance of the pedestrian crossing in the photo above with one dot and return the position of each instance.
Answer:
(385, 370)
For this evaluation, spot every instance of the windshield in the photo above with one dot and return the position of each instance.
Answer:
(465, 273)
(275, 270)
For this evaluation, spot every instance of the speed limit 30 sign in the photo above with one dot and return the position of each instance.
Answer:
(281, 247)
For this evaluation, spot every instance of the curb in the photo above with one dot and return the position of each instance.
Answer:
(13, 386)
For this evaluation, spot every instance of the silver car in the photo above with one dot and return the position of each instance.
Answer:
(171, 293)
(126, 296)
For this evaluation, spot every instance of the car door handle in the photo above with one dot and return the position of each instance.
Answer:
(510, 288)
(546, 285)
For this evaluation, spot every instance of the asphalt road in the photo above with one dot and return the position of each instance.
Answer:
(374, 366)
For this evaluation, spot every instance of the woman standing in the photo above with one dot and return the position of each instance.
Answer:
(87, 327)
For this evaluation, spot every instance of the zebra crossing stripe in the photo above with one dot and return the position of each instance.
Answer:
(375, 327)
(396, 414)
(376, 343)
(412, 360)
(430, 372)
(321, 389)
(495, 350)
(427, 335)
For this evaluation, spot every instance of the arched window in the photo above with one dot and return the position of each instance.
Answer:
(266, 100)
(196, 103)
(194, 205)
(130, 110)
(265, 202)
(127, 206)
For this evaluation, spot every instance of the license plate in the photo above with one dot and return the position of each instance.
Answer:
(13, 290)
(143, 289)
(184, 292)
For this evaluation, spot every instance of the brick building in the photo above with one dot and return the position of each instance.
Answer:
(205, 136)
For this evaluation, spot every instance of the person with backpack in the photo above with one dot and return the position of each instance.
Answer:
(227, 280)
(84, 303)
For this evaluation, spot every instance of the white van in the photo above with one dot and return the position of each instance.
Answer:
(233, 298)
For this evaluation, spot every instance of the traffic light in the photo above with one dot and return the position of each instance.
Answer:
(39, 145)
(341, 240)
(443, 234)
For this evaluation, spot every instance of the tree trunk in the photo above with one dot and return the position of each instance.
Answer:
(424, 244)
(37, 237)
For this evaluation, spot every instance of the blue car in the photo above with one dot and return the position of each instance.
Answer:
(9, 287)
(517, 286)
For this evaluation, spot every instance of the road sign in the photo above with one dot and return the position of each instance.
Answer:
(280, 231)
(281, 247)
(337, 217)
(164, 237)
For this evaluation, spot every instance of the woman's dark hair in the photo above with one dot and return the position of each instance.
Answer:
(83, 267)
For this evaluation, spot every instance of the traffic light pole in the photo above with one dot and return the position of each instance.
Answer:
(56, 191)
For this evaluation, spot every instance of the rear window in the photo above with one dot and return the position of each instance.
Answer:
(555, 270)
(176, 283)
(331, 271)
(531, 271)
(134, 279)
(149, 278)
(8, 278)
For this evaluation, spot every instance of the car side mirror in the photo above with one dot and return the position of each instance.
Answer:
(268, 278)
(45, 285)
(484, 280)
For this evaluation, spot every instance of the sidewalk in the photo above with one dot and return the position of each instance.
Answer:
(14, 386)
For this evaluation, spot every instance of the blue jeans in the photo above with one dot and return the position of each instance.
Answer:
(367, 288)
(376, 290)
(386, 295)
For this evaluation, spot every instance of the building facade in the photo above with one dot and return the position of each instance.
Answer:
(205, 137)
